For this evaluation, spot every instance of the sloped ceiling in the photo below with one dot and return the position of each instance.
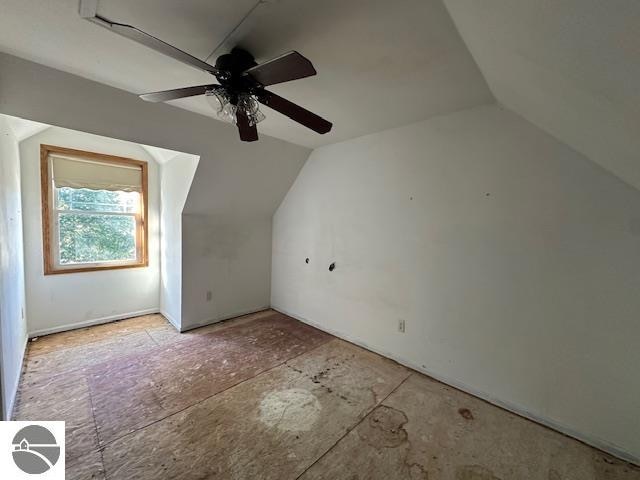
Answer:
(381, 64)
(161, 155)
(571, 67)
(234, 181)
(23, 129)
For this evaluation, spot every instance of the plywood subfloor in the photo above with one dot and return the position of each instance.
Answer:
(266, 397)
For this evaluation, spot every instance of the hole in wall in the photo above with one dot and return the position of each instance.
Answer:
(306, 260)
(332, 267)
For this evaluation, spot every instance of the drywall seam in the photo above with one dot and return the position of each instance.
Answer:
(16, 382)
(89, 323)
(225, 317)
(595, 442)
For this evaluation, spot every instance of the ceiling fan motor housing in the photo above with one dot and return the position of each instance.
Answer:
(232, 65)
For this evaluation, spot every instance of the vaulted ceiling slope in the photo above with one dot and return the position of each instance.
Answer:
(570, 67)
(234, 180)
(23, 129)
(381, 64)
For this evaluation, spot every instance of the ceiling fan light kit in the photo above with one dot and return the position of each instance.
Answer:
(226, 110)
(240, 90)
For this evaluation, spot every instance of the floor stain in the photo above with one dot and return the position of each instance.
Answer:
(466, 413)
(384, 428)
(324, 374)
(417, 472)
(554, 475)
(607, 467)
(295, 409)
(475, 472)
(320, 375)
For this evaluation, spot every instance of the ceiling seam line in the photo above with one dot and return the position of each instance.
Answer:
(244, 18)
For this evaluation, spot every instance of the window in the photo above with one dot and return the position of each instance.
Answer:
(94, 208)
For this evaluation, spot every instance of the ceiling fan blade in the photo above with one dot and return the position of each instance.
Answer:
(286, 67)
(150, 41)
(248, 133)
(294, 112)
(176, 93)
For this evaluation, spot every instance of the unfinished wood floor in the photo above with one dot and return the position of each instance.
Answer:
(266, 397)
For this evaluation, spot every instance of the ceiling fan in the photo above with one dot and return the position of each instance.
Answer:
(241, 81)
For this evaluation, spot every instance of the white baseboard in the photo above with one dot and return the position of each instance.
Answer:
(598, 443)
(225, 317)
(16, 382)
(171, 320)
(89, 323)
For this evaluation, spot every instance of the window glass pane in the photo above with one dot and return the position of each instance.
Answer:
(97, 200)
(88, 238)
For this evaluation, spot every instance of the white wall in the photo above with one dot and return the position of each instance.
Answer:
(176, 176)
(237, 185)
(513, 260)
(59, 302)
(569, 67)
(13, 328)
(239, 254)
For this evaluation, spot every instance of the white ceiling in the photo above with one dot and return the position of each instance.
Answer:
(23, 129)
(161, 155)
(380, 64)
(572, 67)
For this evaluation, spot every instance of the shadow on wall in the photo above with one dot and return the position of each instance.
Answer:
(176, 174)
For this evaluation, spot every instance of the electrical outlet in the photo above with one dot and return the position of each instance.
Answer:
(401, 326)
(209, 295)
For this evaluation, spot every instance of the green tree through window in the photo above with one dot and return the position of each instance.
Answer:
(96, 225)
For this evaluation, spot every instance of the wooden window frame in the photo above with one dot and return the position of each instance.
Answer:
(47, 199)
